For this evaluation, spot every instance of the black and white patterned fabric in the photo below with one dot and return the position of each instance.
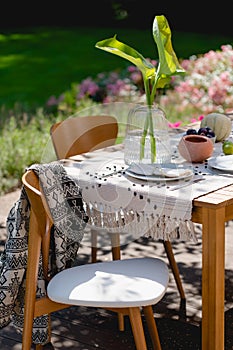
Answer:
(64, 199)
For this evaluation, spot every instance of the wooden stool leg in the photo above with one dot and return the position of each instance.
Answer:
(149, 316)
(94, 235)
(115, 241)
(116, 255)
(174, 267)
(137, 328)
(121, 323)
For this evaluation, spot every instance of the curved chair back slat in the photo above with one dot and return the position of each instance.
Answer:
(79, 135)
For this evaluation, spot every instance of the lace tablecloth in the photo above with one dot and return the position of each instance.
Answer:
(120, 203)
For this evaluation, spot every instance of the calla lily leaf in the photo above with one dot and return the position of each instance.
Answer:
(118, 48)
(169, 64)
(163, 81)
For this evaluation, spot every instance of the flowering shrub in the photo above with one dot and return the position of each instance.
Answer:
(207, 87)
(126, 85)
(108, 87)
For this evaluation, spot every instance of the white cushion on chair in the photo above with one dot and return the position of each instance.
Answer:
(118, 283)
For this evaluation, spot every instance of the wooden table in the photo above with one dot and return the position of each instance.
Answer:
(212, 211)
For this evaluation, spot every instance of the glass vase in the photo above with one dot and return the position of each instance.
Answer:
(147, 136)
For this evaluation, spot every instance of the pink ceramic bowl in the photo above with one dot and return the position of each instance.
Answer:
(195, 148)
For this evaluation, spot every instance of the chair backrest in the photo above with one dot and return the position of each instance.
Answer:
(32, 187)
(40, 218)
(78, 135)
(36, 198)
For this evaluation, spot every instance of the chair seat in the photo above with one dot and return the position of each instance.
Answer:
(119, 283)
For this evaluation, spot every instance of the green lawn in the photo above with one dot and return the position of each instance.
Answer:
(40, 62)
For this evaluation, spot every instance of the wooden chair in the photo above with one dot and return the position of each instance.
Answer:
(78, 135)
(122, 286)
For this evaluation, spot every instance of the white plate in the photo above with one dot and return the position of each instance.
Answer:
(223, 163)
(157, 177)
(161, 170)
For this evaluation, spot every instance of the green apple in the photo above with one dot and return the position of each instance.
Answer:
(227, 147)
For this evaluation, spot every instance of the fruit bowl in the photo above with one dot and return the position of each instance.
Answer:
(195, 148)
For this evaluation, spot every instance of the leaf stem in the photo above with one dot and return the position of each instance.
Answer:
(148, 125)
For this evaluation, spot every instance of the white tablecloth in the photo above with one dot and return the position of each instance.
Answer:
(120, 203)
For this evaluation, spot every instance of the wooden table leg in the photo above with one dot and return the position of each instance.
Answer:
(213, 278)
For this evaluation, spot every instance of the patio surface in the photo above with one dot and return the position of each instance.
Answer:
(178, 323)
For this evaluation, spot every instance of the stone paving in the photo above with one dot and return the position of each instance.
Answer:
(187, 255)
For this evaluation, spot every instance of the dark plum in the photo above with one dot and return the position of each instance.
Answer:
(210, 134)
(203, 131)
(191, 132)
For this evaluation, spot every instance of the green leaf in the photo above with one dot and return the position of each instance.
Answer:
(168, 62)
(163, 81)
(118, 48)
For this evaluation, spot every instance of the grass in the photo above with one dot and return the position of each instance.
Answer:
(36, 63)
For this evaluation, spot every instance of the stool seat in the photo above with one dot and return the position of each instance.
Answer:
(119, 283)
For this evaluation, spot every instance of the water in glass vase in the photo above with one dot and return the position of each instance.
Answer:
(154, 121)
(132, 148)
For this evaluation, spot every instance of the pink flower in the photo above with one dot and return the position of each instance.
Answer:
(87, 88)
(52, 101)
(174, 125)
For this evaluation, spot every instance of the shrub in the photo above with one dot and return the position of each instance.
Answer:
(21, 143)
(207, 86)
